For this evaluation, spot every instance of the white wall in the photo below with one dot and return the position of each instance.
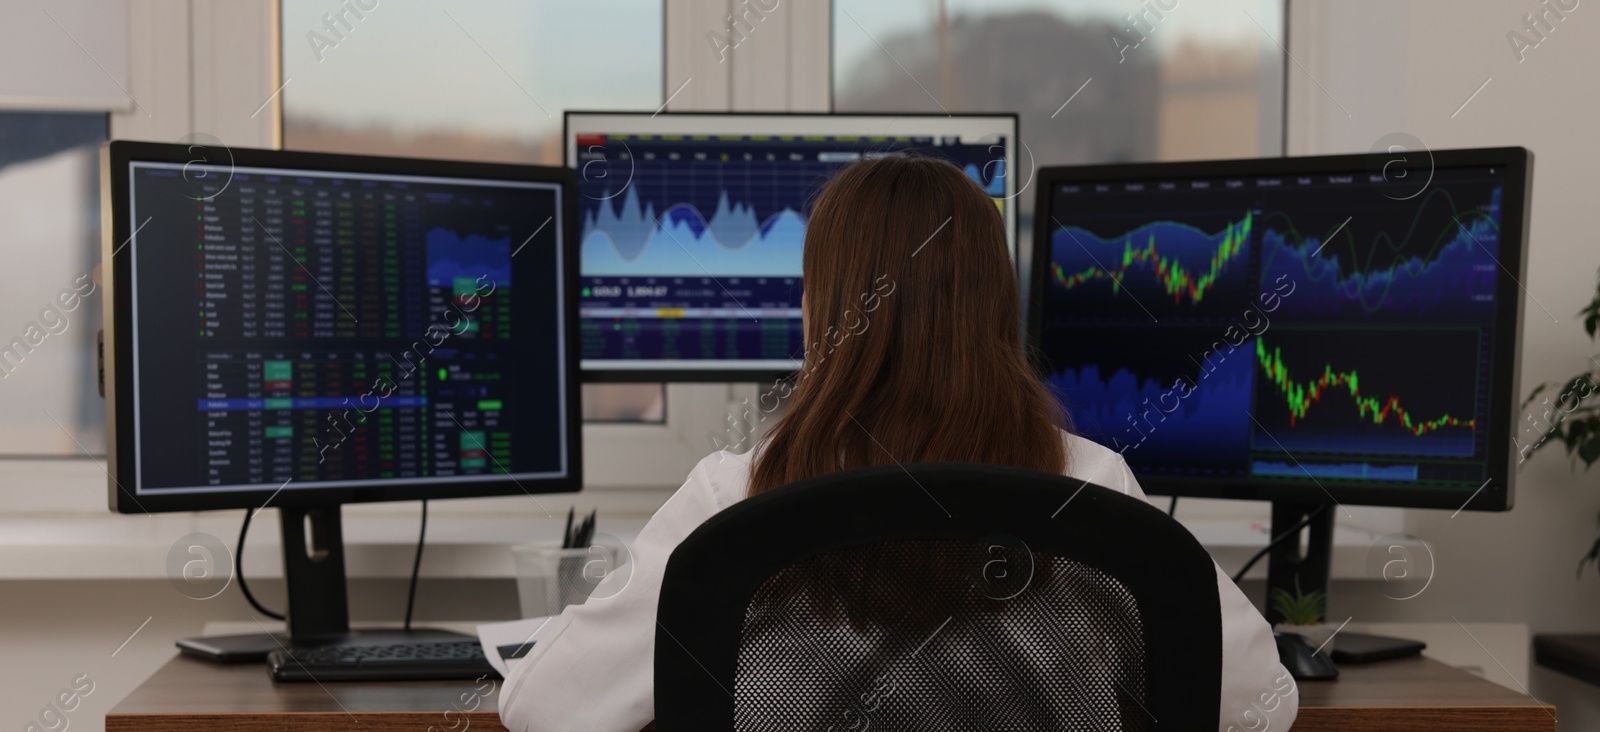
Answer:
(1410, 67)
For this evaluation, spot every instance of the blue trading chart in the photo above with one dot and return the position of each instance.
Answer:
(691, 244)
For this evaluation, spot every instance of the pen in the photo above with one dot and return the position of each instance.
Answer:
(586, 532)
(566, 536)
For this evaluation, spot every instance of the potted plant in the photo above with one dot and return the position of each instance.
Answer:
(1573, 418)
(1302, 613)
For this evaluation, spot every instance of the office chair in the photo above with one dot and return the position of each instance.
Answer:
(939, 596)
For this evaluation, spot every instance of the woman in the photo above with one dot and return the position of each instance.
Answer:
(911, 313)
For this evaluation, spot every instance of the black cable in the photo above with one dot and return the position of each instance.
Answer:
(238, 569)
(1172, 508)
(411, 597)
(1293, 531)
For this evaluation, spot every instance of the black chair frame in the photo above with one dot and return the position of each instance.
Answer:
(712, 576)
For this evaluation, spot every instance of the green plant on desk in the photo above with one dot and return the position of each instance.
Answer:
(1303, 613)
(1298, 608)
(1574, 418)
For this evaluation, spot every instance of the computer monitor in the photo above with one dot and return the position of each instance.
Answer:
(298, 331)
(692, 227)
(1300, 330)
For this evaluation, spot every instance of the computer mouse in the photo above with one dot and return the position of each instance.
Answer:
(1302, 659)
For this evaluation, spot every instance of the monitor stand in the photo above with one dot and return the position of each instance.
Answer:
(1313, 570)
(319, 613)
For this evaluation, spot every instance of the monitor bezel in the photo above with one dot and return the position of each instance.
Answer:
(1497, 495)
(767, 374)
(116, 227)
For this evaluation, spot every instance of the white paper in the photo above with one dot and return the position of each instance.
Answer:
(511, 632)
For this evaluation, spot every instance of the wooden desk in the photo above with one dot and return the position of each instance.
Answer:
(1416, 694)
(185, 695)
(189, 694)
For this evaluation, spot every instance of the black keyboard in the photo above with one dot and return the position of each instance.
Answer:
(428, 661)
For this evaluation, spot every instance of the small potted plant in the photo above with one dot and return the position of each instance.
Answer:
(1302, 613)
(1573, 419)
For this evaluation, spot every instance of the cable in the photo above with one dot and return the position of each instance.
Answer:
(411, 597)
(1293, 531)
(1172, 508)
(238, 569)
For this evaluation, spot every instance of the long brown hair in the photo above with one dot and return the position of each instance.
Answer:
(913, 333)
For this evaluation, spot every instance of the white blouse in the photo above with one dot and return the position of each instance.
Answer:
(592, 667)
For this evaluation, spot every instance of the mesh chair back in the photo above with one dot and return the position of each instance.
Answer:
(939, 597)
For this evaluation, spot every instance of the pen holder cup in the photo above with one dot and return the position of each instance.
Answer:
(550, 578)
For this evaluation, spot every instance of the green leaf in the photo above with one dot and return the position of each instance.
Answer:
(1591, 409)
(1588, 431)
(1577, 431)
(1578, 388)
(1589, 450)
(1592, 556)
(1534, 394)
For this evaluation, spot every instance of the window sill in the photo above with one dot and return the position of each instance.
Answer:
(135, 547)
(380, 543)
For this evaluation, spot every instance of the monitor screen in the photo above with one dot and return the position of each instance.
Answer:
(1323, 328)
(299, 324)
(692, 225)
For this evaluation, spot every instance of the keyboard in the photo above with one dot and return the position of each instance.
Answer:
(428, 661)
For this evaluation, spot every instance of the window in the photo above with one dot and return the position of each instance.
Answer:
(1094, 81)
(50, 223)
(470, 81)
